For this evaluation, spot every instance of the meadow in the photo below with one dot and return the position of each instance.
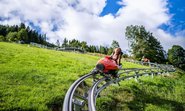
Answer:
(33, 78)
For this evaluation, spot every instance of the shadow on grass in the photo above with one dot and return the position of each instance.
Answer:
(56, 103)
(142, 99)
(19, 109)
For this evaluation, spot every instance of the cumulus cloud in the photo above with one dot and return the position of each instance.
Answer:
(81, 19)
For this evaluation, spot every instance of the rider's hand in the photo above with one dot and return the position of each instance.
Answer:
(120, 67)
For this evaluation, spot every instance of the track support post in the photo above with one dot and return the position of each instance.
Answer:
(136, 76)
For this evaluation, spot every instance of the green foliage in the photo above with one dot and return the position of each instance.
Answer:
(12, 36)
(176, 56)
(3, 30)
(75, 43)
(84, 45)
(114, 44)
(103, 50)
(143, 43)
(2, 38)
(22, 26)
(125, 55)
(110, 50)
(22, 35)
(105, 104)
(89, 48)
(65, 43)
(93, 49)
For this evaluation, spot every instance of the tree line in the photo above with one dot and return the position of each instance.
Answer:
(23, 34)
(88, 48)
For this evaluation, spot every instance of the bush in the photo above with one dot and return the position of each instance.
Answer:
(2, 38)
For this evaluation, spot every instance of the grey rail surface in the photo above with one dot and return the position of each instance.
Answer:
(86, 101)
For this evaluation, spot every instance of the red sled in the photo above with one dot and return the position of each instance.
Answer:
(107, 64)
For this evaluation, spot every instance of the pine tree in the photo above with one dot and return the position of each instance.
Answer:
(65, 43)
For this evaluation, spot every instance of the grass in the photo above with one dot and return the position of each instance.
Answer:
(162, 93)
(37, 79)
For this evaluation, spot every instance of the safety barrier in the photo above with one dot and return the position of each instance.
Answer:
(72, 49)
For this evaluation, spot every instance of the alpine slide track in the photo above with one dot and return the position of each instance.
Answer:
(82, 94)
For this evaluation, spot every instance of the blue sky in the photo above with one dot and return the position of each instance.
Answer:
(111, 7)
(98, 22)
(176, 8)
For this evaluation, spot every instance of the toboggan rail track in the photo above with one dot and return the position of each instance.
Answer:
(81, 96)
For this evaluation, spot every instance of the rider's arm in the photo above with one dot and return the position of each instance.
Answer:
(119, 58)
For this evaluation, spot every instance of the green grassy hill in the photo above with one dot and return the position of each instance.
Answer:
(37, 79)
(162, 93)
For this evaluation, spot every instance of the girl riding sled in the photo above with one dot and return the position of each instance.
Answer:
(110, 64)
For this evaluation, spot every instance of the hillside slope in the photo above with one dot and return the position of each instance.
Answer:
(33, 78)
(37, 79)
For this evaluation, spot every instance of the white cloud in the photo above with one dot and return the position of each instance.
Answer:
(90, 6)
(168, 40)
(80, 19)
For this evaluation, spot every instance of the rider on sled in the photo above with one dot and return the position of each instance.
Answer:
(111, 64)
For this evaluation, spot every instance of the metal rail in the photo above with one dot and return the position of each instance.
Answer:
(68, 101)
(94, 91)
(91, 97)
(75, 102)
